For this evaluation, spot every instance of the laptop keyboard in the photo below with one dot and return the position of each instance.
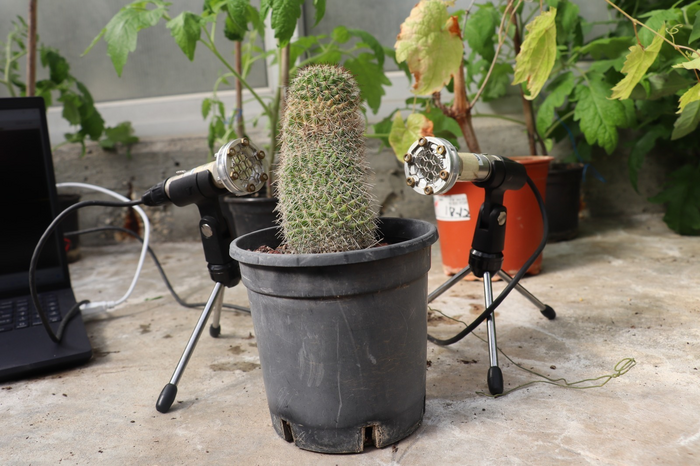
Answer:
(17, 314)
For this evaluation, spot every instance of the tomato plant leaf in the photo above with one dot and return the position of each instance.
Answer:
(430, 43)
(371, 42)
(185, 29)
(320, 11)
(559, 89)
(598, 116)
(370, 78)
(480, 29)
(537, 54)
(285, 14)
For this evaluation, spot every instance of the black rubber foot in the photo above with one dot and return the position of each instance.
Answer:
(216, 331)
(548, 312)
(166, 398)
(495, 380)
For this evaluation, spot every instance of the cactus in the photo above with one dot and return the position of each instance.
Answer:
(325, 203)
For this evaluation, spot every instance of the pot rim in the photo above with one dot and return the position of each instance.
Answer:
(412, 235)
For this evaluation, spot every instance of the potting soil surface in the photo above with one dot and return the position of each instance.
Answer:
(626, 293)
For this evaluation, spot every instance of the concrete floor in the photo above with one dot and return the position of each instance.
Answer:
(624, 289)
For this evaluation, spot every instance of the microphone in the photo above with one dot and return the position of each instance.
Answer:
(237, 169)
(432, 166)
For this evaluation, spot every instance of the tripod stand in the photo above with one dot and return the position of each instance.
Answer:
(216, 237)
(485, 260)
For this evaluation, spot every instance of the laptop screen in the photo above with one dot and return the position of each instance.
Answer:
(27, 198)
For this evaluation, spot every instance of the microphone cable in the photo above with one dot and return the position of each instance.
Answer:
(499, 299)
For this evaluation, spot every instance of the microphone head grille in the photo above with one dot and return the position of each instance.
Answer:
(431, 165)
(239, 167)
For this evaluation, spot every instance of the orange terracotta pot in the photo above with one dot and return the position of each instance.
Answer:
(456, 212)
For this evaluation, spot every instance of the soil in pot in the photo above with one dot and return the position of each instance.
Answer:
(456, 213)
(342, 336)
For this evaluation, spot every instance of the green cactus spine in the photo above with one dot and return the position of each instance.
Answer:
(325, 203)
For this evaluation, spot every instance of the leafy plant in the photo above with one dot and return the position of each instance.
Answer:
(78, 106)
(363, 57)
(325, 203)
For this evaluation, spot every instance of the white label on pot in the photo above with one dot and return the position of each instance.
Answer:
(452, 208)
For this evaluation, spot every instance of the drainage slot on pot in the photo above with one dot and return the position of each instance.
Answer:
(287, 429)
(369, 436)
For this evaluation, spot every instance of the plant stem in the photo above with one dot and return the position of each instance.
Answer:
(8, 63)
(31, 47)
(527, 105)
(240, 125)
(462, 112)
(498, 117)
(558, 122)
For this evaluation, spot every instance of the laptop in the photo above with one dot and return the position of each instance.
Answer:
(28, 203)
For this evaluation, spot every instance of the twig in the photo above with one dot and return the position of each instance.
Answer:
(31, 47)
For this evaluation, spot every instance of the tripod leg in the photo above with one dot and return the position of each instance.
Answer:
(448, 284)
(546, 311)
(215, 328)
(495, 376)
(167, 396)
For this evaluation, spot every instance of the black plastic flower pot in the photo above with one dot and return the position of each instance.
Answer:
(248, 214)
(342, 336)
(563, 200)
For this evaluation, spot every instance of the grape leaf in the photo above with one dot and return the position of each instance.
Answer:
(641, 148)
(370, 78)
(430, 43)
(695, 35)
(688, 121)
(692, 95)
(599, 116)
(636, 65)
(682, 198)
(122, 30)
(402, 134)
(690, 65)
(185, 29)
(537, 53)
(559, 90)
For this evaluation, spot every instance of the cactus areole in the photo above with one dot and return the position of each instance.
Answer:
(325, 203)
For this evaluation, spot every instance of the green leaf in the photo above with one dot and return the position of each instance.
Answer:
(641, 148)
(611, 48)
(320, 7)
(256, 20)
(122, 133)
(567, 16)
(185, 29)
(58, 66)
(692, 95)
(430, 43)
(371, 41)
(383, 127)
(636, 65)
(122, 30)
(687, 122)
(71, 107)
(300, 46)
(404, 134)
(657, 20)
(238, 14)
(498, 83)
(559, 90)
(340, 34)
(690, 65)
(370, 78)
(682, 198)
(599, 116)
(206, 107)
(285, 14)
(537, 54)
(660, 85)
(695, 34)
(480, 29)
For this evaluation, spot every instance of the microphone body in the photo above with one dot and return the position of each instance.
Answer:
(237, 169)
(433, 165)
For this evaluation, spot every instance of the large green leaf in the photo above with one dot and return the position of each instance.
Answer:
(58, 66)
(480, 29)
(403, 134)
(636, 65)
(682, 198)
(641, 148)
(559, 90)
(370, 78)
(71, 107)
(320, 6)
(598, 116)
(611, 48)
(285, 14)
(688, 121)
(122, 30)
(236, 24)
(371, 42)
(537, 54)
(498, 83)
(185, 29)
(430, 43)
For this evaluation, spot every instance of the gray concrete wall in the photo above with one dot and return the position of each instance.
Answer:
(153, 160)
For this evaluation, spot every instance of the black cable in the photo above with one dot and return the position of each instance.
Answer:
(159, 266)
(496, 302)
(56, 337)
